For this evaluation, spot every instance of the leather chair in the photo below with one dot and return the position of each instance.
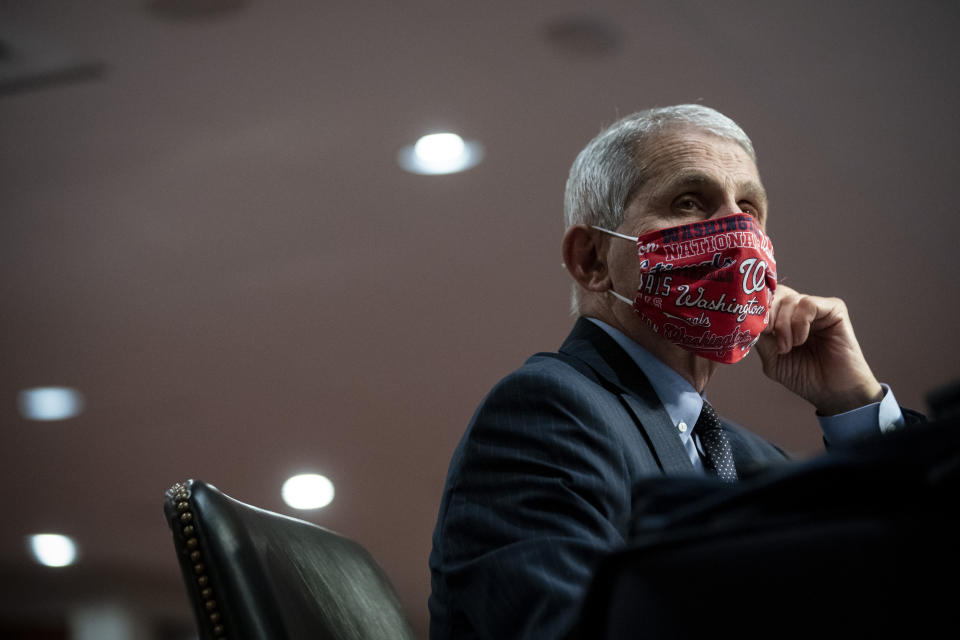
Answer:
(257, 575)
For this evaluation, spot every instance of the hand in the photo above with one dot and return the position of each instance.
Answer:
(809, 347)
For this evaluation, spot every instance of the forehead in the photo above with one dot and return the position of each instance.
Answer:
(675, 153)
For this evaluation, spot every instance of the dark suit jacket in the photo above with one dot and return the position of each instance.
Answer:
(547, 479)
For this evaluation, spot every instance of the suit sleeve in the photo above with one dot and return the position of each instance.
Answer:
(538, 491)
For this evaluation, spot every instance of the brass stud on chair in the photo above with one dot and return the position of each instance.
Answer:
(181, 497)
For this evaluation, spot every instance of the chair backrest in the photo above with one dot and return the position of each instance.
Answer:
(256, 575)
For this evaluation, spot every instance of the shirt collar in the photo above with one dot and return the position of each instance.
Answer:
(679, 398)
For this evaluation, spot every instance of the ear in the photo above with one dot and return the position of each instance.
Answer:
(583, 256)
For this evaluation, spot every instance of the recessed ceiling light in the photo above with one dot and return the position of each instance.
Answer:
(194, 9)
(50, 403)
(440, 153)
(584, 36)
(307, 491)
(53, 549)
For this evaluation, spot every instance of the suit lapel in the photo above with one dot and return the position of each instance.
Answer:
(590, 344)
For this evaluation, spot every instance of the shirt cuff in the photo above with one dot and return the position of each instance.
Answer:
(864, 421)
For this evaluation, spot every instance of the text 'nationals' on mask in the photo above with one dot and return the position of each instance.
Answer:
(706, 286)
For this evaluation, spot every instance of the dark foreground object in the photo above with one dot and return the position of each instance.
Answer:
(860, 543)
(255, 575)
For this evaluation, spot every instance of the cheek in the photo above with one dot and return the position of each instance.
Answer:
(625, 271)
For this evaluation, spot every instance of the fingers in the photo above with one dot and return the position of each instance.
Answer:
(805, 311)
(780, 327)
(793, 316)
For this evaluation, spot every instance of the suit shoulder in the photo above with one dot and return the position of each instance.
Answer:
(549, 399)
(549, 376)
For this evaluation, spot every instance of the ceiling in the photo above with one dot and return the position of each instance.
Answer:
(204, 229)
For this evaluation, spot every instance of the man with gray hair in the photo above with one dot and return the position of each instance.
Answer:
(673, 275)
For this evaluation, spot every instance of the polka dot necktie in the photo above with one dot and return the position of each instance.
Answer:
(718, 456)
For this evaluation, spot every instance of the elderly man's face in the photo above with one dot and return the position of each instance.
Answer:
(691, 175)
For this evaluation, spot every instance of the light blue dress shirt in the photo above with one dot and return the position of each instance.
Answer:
(683, 403)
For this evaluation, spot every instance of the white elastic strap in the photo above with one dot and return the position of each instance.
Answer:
(619, 235)
(614, 233)
(620, 297)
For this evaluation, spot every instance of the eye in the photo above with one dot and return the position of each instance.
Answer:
(748, 207)
(687, 204)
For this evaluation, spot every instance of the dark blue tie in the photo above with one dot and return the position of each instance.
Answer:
(718, 456)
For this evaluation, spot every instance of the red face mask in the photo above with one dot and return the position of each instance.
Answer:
(706, 286)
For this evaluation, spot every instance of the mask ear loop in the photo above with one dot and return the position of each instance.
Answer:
(614, 233)
(625, 237)
(621, 298)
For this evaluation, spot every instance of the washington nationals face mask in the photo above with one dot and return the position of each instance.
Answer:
(706, 286)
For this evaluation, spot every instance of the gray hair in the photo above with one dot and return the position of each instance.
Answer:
(612, 166)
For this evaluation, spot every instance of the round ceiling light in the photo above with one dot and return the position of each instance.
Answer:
(50, 403)
(183, 10)
(53, 549)
(584, 36)
(307, 491)
(440, 153)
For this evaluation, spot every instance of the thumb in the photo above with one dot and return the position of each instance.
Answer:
(768, 348)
